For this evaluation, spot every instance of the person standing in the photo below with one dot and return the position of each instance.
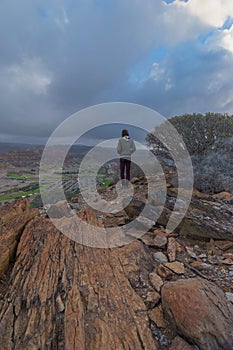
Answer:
(125, 149)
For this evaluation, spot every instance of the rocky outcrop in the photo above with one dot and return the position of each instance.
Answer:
(13, 219)
(209, 219)
(200, 313)
(58, 294)
(63, 295)
(207, 216)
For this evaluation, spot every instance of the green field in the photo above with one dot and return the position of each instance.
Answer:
(18, 195)
(20, 177)
(106, 183)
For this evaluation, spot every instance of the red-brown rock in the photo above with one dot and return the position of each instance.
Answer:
(223, 196)
(164, 272)
(200, 312)
(171, 249)
(63, 295)
(176, 267)
(14, 219)
(224, 245)
(157, 316)
(180, 344)
(156, 281)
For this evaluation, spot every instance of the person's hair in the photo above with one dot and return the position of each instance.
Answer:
(124, 133)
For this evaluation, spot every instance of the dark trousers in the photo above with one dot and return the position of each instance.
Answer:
(125, 165)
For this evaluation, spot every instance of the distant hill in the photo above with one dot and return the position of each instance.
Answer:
(12, 147)
(9, 147)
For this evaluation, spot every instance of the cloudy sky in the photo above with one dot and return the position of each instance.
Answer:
(60, 56)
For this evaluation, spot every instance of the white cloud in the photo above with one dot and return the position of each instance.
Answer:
(159, 73)
(178, 24)
(226, 39)
(30, 75)
(156, 71)
(213, 13)
(168, 84)
(221, 39)
(62, 19)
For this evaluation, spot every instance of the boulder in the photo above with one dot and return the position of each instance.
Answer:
(200, 313)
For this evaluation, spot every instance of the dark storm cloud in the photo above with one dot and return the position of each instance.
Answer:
(60, 56)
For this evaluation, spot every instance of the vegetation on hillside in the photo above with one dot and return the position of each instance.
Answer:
(213, 170)
(209, 140)
(200, 132)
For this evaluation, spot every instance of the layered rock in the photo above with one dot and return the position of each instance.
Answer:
(207, 216)
(208, 219)
(13, 220)
(63, 295)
